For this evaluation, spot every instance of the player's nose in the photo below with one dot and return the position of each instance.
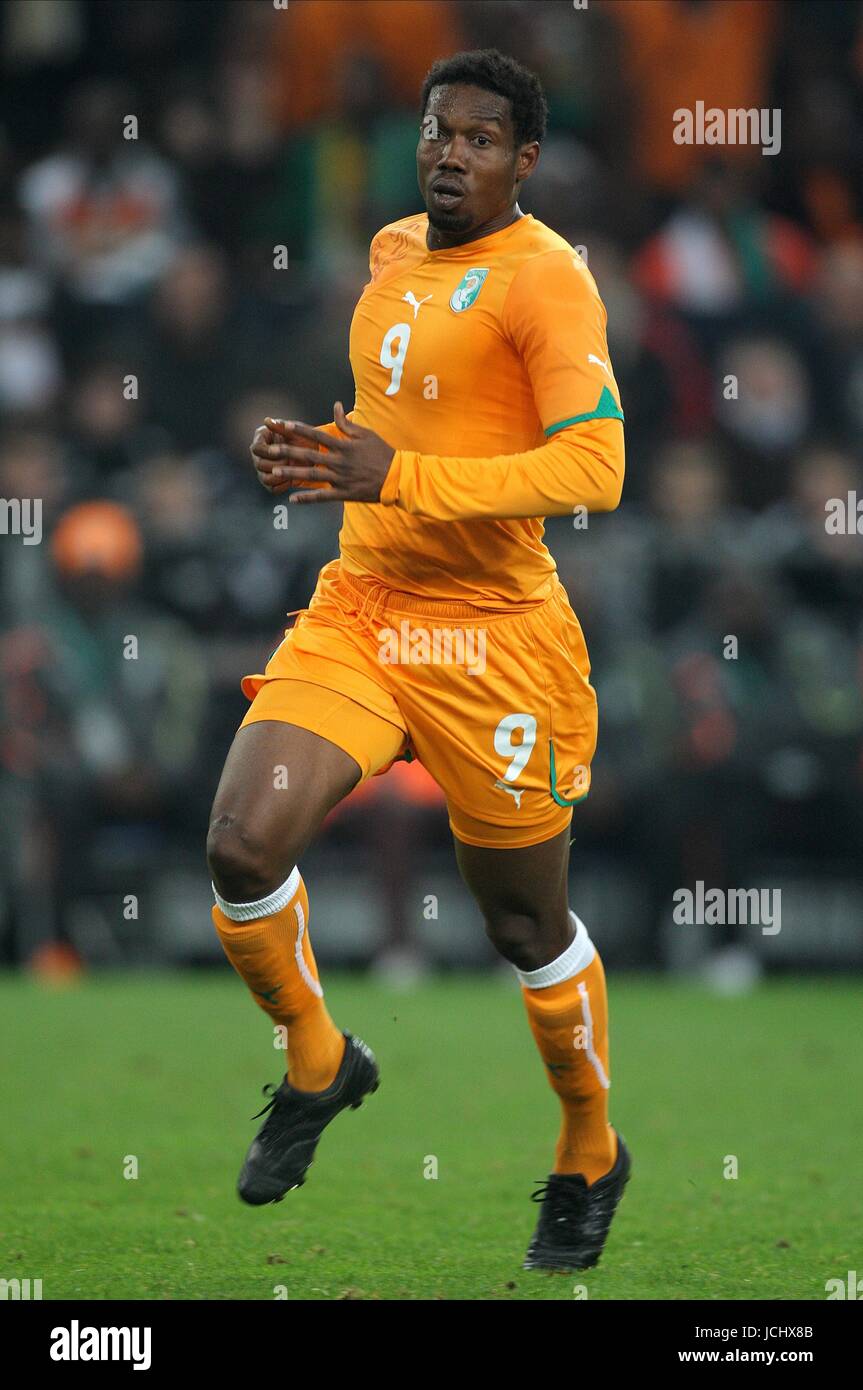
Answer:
(452, 156)
(450, 163)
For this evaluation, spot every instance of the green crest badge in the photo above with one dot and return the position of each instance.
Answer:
(466, 292)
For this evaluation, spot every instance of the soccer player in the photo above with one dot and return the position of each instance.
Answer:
(485, 401)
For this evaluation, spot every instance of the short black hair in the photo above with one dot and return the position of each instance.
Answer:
(495, 72)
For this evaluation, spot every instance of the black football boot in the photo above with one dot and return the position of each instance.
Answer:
(575, 1219)
(284, 1146)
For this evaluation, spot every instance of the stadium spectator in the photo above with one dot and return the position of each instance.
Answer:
(104, 210)
(105, 696)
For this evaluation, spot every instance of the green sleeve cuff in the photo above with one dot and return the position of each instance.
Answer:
(606, 409)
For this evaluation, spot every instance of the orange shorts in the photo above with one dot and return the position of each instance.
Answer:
(497, 706)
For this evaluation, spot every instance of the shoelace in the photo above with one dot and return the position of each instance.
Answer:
(271, 1091)
(559, 1203)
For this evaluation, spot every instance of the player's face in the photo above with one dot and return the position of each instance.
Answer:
(467, 161)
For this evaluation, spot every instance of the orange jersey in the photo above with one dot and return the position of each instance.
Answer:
(486, 367)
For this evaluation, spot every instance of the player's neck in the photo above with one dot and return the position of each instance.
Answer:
(440, 241)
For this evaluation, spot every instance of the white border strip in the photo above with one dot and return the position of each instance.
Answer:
(313, 984)
(265, 907)
(577, 957)
(588, 1023)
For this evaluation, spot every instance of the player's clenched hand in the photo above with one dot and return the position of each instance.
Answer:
(353, 469)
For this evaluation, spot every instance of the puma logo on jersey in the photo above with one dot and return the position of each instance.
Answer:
(416, 304)
(591, 357)
(515, 792)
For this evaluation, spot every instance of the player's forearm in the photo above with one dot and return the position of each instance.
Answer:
(581, 466)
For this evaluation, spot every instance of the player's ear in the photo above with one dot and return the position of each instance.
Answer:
(528, 158)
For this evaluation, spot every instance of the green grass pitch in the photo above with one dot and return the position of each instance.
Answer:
(169, 1069)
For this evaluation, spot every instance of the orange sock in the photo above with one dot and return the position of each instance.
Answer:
(568, 1017)
(268, 945)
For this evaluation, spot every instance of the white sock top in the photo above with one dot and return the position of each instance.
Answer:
(265, 907)
(577, 957)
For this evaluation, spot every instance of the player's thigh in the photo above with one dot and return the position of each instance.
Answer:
(529, 884)
(301, 749)
(278, 783)
(279, 776)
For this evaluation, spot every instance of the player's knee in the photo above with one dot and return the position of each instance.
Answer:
(242, 866)
(516, 936)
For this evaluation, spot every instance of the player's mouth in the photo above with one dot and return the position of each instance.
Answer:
(447, 193)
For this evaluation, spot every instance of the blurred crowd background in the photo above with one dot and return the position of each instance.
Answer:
(153, 156)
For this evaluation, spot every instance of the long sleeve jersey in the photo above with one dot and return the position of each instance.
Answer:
(486, 367)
